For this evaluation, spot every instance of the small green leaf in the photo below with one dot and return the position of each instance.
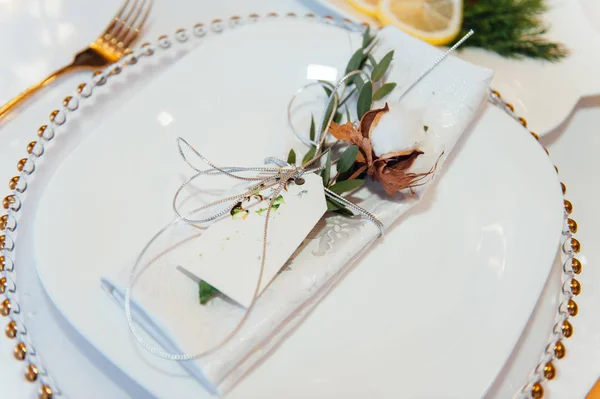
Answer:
(326, 173)
(426, 128)
(331, 205)
(363, 62)
(326, 88)
(292, 157)
(338, 117)
(334, 206)
(344, 211)
(309, 155)
(383, 91)
(327, 116)
(382, 67)
(373, 61)
(363, 104)
(347, 159)
(206, 292)
(312, 128)
(348, 118)
(358, 82)
(367, 38)
(355, 61)
(261, 211)
(346, 185)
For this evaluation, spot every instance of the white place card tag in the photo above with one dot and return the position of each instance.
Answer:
(228, 254)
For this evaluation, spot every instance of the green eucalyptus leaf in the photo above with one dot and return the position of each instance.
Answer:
(331, 205)
(383, 91)
(292, 157)
(309, 155)
(348, 118)
(346, 185)
(426, 128)
(326, 173)
(373, 61)
(206, 292)
(382, 67)
(367, 38)
(365, 97)
(363, 62)
(327, 87)
(334, 206)
(338, 117)
(312, 128)
(355, 61)
(344, 211)
(358, 82)
(327, 116)
(347, 159)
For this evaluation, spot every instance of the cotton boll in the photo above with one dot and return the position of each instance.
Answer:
(399, 131)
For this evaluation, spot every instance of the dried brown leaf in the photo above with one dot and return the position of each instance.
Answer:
(342, 132)
(370, 120)
(393, 173)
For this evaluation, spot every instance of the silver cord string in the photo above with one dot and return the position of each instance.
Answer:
(436, 63)
(355, 207)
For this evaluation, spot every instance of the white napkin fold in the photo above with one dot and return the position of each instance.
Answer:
(166, 302)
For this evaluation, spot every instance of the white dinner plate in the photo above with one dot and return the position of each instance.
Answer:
(462, 256)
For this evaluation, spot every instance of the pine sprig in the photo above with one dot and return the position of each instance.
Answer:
(511, 28)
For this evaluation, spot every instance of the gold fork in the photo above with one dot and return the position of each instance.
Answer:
(108, 48)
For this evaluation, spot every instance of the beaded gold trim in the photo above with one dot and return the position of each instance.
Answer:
(9, 304)
(555, 350)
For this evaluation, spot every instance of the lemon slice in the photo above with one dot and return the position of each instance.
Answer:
(368, 7)
(435, 21)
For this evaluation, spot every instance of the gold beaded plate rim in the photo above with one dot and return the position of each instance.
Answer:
(544, 371)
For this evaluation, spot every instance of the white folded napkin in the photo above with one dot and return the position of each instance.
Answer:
(166, 302)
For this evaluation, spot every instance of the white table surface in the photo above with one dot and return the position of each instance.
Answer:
(39, 36)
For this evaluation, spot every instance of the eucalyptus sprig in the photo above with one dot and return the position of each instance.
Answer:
(362, 59)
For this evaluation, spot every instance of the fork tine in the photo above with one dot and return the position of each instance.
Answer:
(127, 29)
(125, 23)
(116, 19)
(136, 31)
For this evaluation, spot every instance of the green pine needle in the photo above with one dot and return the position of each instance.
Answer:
(511, 28)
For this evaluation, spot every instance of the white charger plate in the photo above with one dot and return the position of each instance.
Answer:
(495, 268)
(264, 371)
